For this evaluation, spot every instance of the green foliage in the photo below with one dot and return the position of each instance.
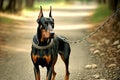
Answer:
(46, 4)
(6, 20)
(101, 13)
(42, 3)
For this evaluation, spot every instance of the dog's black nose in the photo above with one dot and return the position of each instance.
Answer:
(52, 34)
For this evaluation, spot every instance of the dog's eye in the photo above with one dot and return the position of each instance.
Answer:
(52, 25)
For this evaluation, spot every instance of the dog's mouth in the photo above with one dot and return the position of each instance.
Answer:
(52, 34)
(47, 34)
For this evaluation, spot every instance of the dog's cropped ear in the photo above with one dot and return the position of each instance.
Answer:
(40, 13)
(50, 14)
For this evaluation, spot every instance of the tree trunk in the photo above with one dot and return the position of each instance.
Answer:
(29, 3)
(113, 4)
(1, 5)
(19, 5)
(101, 1)
(11, 6)
(104, 1)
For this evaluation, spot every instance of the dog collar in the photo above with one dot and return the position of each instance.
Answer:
(42, 47)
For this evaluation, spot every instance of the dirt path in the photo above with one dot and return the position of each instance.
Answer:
(15, 45)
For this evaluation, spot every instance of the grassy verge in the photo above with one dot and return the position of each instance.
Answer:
(6, 20)
(100, 14)
(47, 4)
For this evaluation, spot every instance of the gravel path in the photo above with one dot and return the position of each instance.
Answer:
(15, 41)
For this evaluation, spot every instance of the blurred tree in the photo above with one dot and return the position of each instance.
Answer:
(1, 5)
(68, 1)
(38, 0)
(101, 1)
(30, 3)
(11, 6)
(113, 4)
(19, 5)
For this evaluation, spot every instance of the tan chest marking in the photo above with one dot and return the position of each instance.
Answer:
(47, 58)
(35, 57)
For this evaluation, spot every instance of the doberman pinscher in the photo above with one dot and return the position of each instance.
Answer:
(46, 46)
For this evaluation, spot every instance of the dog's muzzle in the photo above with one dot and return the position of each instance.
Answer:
(52, 34)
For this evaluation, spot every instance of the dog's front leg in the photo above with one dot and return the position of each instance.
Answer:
(49, 73)
(37, 72)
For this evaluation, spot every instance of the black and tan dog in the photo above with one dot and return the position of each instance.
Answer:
(46, 46)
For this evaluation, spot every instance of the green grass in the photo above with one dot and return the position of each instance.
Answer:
(47, 4)
(6, 20)
(101, 13)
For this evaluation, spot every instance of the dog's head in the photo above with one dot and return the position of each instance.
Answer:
(46, 25)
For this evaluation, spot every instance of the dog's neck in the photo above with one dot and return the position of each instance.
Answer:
(41, 41)
(44, 42)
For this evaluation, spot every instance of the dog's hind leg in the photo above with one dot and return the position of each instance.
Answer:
(54, 74)
(37, 72)
(53, 70)
(66, 61)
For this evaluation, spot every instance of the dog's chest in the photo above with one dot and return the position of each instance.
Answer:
(44, 57)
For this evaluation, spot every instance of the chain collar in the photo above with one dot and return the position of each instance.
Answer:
(42, 47)
(98, 29)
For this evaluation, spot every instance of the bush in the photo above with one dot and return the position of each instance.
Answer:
(101, 13)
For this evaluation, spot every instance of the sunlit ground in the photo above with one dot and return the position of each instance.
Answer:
(64, 11)
(67, 17)
(18, 39)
